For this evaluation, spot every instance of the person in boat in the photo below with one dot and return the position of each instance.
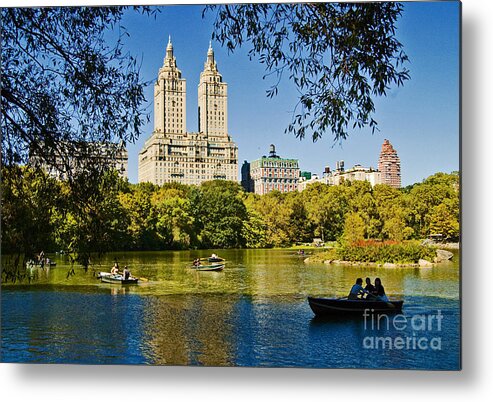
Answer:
(380, 291)
(126, 273)
(369, 287)
(115, 269)
(196, 262)
(41, 259)
(357, 291)
(214, 255)
(301, 252)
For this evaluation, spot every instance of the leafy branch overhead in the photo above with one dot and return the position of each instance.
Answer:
(340, 56)
(64, 83)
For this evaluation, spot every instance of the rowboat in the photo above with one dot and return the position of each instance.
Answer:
(108, 277)
(213, 267)
(338, 307)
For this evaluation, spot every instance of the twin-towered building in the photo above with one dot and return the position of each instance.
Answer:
(172, 154)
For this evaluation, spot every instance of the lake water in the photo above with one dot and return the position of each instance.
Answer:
(253, 313)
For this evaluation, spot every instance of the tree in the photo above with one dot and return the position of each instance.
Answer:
(221, 213)
(360, 199)
(29, 199)
(141, 222)
(338, 55)
(63, 86)
(388, 200)
(300, 229)
(444, 219)
(93, 220)
(316, 206)
(174, 216)
(254, 230)
(394, 226)
(424, 197)
(354, 228)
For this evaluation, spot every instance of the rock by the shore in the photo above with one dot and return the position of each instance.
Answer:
(389, 265)
(424, 263)
(443, 255)
(432, 243)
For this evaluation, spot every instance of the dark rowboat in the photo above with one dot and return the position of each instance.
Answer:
(213, 267)
(338, 307)
(117, 279)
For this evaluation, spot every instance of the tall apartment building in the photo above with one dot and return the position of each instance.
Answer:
(389, 165)
(271, 173)
(172, 154)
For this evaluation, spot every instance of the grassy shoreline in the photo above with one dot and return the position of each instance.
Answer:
(409, 253)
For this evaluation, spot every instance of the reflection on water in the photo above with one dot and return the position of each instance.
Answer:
(187, 330)
(254, 313)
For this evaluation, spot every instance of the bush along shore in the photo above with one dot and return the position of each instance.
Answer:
(385, 254)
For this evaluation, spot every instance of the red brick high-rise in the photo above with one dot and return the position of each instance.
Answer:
(389, 165)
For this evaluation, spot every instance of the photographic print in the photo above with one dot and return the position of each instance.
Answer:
(260, 185)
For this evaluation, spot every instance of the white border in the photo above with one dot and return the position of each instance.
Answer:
(126, 383)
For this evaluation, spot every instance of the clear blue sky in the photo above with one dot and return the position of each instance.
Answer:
(420, 119)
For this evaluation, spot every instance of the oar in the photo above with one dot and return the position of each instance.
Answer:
(376, 298)
(141, 279)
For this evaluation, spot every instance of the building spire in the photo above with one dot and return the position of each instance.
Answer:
(210, 55)
(169, 48)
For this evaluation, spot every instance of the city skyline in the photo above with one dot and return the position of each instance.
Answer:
(421, 119)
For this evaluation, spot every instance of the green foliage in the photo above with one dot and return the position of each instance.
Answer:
(63, 84)
(92, 219)
(425, 197)
(409, 252)
(340, 56)
(444, 219)
(221, 215)
(254, 230)
(354, 228)
(276, 215)
(95, 213)
(29, 199)
(175, 221)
